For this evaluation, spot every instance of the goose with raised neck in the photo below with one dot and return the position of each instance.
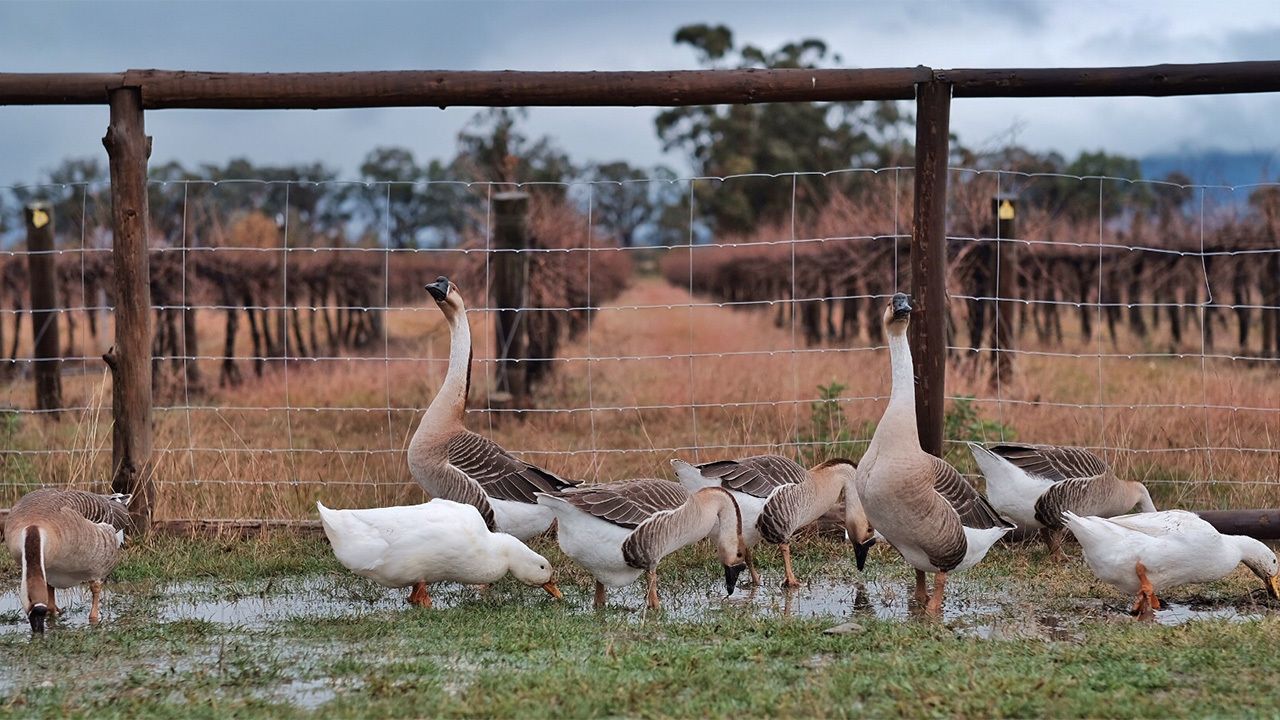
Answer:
(916, 501)
(1033, 485)
(451, 462)
(619, 530)
(62, 538)
(777, 496)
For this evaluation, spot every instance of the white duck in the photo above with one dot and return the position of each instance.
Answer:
(619, 530)
(1033, 485)
(916, 501)
(1149, 552)
(777, 496)
(437, 541)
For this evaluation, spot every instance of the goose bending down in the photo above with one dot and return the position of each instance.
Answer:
(63, 538)
(776, 495)
(916, 501)
(437, 541)
(453, 463)
(622, 529)
(1033, 485)
(1150, 552)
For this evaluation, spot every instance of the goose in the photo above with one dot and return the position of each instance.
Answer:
(621, 529)
(1154, 551)
(62, 538)
(453, 463)
(436, 541)
(915, 501)
(776, 495)
(1032, 485)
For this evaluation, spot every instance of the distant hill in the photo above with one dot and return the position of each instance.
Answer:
(1215, 167)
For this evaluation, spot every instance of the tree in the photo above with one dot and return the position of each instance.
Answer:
(420, 205)
(775, 138)
(629, 201)
(491, 148)
(78, 193)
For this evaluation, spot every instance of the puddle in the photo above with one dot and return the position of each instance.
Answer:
(972, 608)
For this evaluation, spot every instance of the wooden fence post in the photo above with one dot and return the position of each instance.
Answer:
(929, 259)
(128, 148)
(1004, 211)
(42, 270)
(510, 272)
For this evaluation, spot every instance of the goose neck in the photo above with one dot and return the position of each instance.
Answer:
(450, 402)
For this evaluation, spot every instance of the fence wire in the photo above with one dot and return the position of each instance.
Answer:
(293, 356)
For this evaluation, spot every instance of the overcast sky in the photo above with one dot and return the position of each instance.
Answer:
(296, 36)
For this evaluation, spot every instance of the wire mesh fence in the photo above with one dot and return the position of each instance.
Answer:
(294, 347)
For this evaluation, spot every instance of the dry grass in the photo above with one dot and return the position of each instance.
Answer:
(227, 456)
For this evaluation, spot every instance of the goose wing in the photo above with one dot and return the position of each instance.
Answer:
(974, 510)
(758, 475)
(784, 512)
(627, 503)
(1165, 523)
(499, 474)
(1051, 462)
(95, 508)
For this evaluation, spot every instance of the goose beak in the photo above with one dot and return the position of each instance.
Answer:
(901, 305)
(552, 590)
(731, 573)
(1273, 586)
(439, 289)
(860, 551)
(36, 618)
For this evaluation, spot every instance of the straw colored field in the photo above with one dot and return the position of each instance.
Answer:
(238, 452)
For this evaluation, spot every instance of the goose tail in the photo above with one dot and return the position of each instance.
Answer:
(690, 476)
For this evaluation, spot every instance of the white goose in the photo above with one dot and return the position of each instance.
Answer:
(62, 538)
(437, 541)
(622, 529)
(1146, 553)
(916, 501)
(453, 463)
(1033, 485)
(776, 495)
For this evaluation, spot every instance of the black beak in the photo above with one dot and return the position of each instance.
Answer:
(439, 289)
(36, 617)
(860, 553)
(731, 573)
(901, 305)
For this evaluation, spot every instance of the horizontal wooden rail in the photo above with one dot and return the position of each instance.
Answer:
(437, 88)
(1152, 80)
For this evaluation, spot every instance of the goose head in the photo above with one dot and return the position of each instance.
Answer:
(36, 616)
(857, 527)
(897, 314)
(730, 546)
(531, 568)
(1262, 561)
(446, 295)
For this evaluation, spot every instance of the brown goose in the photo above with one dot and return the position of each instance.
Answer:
(622, 529)
(453, 463)
(63, 538)
(1033, 485)
(916, 501)
(777, 496)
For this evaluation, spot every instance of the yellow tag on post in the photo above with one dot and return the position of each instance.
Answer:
(1006, 210)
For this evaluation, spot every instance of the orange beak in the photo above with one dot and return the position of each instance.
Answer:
(553, 591)
(1273, 586)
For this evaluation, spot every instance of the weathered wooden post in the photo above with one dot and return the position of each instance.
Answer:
(128, 148)
(510, 273)
(1006, 285)
(929, 259)
(41, 267)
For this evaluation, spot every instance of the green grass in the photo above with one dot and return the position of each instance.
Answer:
(515, 653)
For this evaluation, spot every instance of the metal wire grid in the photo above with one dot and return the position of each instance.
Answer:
(693, 406)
